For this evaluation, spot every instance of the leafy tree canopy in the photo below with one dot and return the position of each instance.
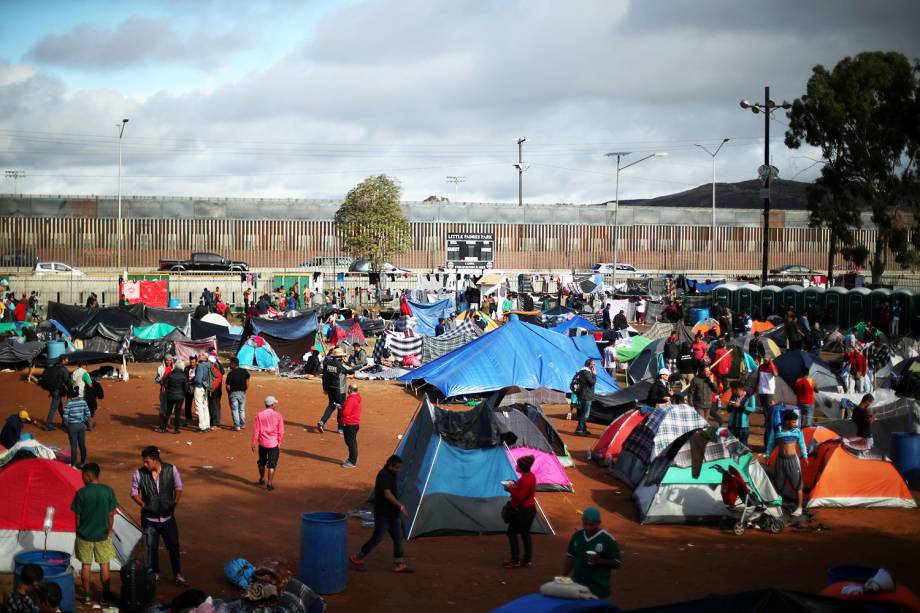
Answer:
(371, 223)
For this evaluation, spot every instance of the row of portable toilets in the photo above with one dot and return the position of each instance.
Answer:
(847, 307)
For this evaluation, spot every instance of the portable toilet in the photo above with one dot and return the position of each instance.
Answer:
(726, 295)
(879, 298)
(748, 297)
(835, 301)
(813, 299)
(906, 301)
(769, 301)
(858, 306)
(791, 296)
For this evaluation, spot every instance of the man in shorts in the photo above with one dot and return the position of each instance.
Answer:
(267, 436)
(790, 445)
(94, 506)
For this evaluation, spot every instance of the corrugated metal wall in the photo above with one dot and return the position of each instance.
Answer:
(92, 242)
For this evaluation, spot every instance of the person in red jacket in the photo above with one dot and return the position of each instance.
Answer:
(722, 364)
(858, 369)
(21, 308)
(698, 350)
(523, 510)
(351, 420)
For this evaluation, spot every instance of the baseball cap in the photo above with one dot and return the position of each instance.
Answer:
(664, 371)
(24, 416)
(270, 401)
(591, 514)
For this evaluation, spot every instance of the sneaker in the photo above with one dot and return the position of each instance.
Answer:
(797, 512)
(348, 465)
(340, 431)
(180, 580)
(160, 430)
(402, 568)
(319, 426)
(87, 600)
(270, 487)
(261, 481)
(511, 564)
(354, 559)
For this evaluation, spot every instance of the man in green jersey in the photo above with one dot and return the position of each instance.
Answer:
(94, 506)
(592, 553)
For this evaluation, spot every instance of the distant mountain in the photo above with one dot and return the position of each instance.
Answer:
(787, 195)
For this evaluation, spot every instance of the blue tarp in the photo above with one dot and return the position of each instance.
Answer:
(516, 354)
(587, 345)
(288, 328)
(575, 322)
(427, 315)
(251, 356)
(704, 288)
(538, 603)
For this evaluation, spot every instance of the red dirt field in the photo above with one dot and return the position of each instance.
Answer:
(224, 514)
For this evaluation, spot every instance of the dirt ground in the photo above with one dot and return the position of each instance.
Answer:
(224, 514)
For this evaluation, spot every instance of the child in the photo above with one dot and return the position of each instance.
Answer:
(739, 407)
(20, 601)
(790, 444)
(48, 597)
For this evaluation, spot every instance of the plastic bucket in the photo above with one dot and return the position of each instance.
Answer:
(175, 303)
(856, 574)
(56, 349)
(905, 455)
(324, 552)
(56, 566)
(698, 315)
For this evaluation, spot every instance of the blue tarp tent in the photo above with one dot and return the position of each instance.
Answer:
(427, 315)
(518, 354)
(288, 328)
(587, 345)
(704, 288)
(538, 603)
(575, 322)
(225, 339)
(251, 355)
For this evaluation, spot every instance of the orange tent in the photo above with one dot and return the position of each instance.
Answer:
(761, 326)
(705, 326)
(608, 446)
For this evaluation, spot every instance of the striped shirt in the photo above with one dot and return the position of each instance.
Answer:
(76, 411)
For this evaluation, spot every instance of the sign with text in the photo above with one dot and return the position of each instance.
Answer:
(470, 250)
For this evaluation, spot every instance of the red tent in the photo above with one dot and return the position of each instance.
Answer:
(608, 446)
(30, 486)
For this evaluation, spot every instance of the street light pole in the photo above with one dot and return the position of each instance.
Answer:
(14, 176)
(121, 231)
(456, 181)
(616, 207)
(712, 235)
(521, 167)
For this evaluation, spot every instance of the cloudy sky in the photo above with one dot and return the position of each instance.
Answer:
(304, 99)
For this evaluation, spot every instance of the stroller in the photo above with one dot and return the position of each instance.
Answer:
(738, 496)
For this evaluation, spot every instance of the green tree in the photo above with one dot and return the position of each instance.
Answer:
(859, 115)
(371, 223)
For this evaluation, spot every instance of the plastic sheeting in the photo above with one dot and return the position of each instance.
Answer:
(187, 348)
(174, 317)
(289, 328)
(225, 339)
(153, 331)
(517, 354)
(575, 322)
(426, 316)
(13, 352)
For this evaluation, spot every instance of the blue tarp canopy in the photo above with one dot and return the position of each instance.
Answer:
(516, 354)
(538, 603)
(427, 315)
(587, 345)
(288, 328)
(575, 322)
(704, 288)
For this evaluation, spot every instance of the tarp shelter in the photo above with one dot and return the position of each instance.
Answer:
(517, 354)
(453, 466)
(425, 316)
(12, 352)
(586, 344)
(399, 344)
(528, 440)
(434, 347)
(187, 348)
(14, 328)
(153, 332)
(538, 603)
(257, 354)
(74, 317)
(174, 317)
(575, 322)
(555, 315)
(293, 350)
(289, 328)
(608, 447)
(29, 487)
(631, 349)
(467, 314)
(669, 493)
(650, 438)
(112, 322)
(202, 330)
(154, 350)
(86, 357)
(608, 407)
(348, 330)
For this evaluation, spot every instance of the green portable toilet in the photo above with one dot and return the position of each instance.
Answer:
(878, 299)
(726, 296)
(858, 305)
(835, 301)
(906, 300)
(769, 301)
(748, 297)
(813, 299)
(791, 296)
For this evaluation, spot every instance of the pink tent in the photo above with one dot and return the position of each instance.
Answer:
(608, 446)
(546, 468)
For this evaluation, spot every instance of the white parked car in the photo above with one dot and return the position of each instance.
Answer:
(56, 268)
(607, 268)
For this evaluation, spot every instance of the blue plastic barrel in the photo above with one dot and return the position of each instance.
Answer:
(175, 303)
(324, 552)
(56, 566)
(856, 574)
(698, 315)
(905, 455)
(56, 349)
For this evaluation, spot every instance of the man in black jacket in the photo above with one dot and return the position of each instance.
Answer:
(335, 382)
(672, 351)
(619, 321)
(659, 393)
(587, 379)
(54, 380)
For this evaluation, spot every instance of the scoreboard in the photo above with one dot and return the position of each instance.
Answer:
(470, 251)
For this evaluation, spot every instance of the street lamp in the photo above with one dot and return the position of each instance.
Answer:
(616, 210)
(121, 232)
(456, 181)
(767, 172)
(521, 167)
(712, 235)
(14, 176)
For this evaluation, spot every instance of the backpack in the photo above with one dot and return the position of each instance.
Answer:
(214, 378)
(575, 383)
(50, 380)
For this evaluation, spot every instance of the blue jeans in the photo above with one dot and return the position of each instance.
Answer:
(336, 400)
(76, 434)
(808, 414)
(382, 525)
(583, 416)
(238, 408)
(55, 406)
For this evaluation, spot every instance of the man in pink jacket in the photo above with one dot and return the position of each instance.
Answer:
(267, 435)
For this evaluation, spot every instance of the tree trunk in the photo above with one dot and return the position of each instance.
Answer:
(831, 254)
(878, 260)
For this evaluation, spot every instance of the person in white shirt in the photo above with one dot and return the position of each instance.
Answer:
(610, 359)
(640, 309)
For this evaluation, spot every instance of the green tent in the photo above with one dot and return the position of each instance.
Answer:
(153, 331)
(628, 352)
(15, 327)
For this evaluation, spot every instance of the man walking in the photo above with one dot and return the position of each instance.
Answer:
(267, 435)
(351, 421)
(202, 376)
(387, 511)
(335, 373)
(174, 385)
(53, 380)
(671, 351)
(237, 384)
(94, 507)
(587, 378)
(156, 488)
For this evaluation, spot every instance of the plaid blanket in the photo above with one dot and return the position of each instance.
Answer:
(653, 436)
(434, 347)
(399, 345)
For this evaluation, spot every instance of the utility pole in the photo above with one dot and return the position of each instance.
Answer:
(521, 167)
(456, 181)
(14, 176)
(712, 234)
(121, 229)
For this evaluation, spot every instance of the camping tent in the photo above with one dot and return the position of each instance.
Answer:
(453, 466)
(608, 447)
(608, 407)
(257, 354)
(669, 493)
(434, 347)
(575, 322)
(650, 438)
(771, 349)
(795, 363)
(704, 326)
(29, 487)
(289, 328)
(517, 354)
(546, 428)
(467, 314)
(425, 316)
(528, 440)
(646, 364)
(632, 348)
